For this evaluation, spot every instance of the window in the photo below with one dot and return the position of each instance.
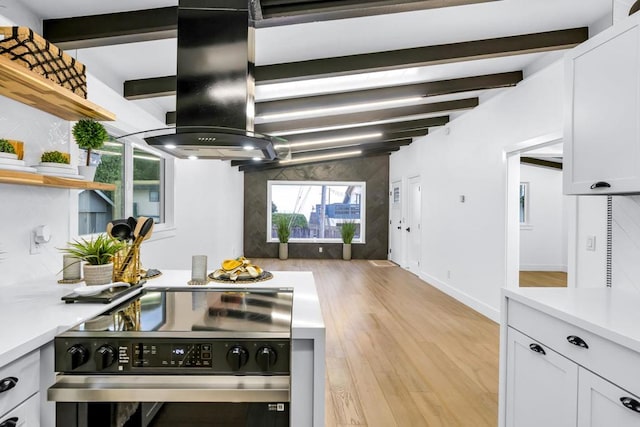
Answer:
(316, 210)
(524, 203)
(120, 161)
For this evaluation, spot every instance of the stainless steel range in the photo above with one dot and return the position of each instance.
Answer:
(181, 357)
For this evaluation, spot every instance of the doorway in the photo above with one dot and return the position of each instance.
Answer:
(513, 203)
(412, 225)
(396, 197)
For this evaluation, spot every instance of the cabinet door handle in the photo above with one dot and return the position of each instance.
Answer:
(537, 349)
(408, 229)
(11, 422)
(577, 341)
(600, 184)
(630, 403)
(7, 384)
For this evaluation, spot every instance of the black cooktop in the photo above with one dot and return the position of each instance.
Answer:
(180, 312)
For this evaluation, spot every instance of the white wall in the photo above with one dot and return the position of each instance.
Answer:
(543, 240)
(209, 216)
(463, 244)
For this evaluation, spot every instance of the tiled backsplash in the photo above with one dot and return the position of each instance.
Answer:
(25, 207)
(626, 243)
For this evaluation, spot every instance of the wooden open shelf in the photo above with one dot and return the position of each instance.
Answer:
(27, 178)
(23, 85)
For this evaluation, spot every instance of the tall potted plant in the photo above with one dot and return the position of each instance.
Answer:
(98, 256)
(89, 135)
(284, 231)
(347, 231)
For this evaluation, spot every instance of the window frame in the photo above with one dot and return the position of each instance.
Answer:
(363, 210)
(167, 167)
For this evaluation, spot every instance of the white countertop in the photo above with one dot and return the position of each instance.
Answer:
(32, 314)
(612, 314)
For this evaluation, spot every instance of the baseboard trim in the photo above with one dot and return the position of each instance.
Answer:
(474, 303)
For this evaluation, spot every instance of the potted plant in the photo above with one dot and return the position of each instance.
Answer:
(98, 256)
(55, 157)
(7, 150)
(347, 231)
(89, 135)
(283, 229)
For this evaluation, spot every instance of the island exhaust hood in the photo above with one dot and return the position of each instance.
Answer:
(215, 85)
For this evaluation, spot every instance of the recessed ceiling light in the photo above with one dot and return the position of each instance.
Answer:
(321, 157)
(338, 109)
(330, 140)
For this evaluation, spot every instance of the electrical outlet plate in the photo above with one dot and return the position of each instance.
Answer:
(34, 248)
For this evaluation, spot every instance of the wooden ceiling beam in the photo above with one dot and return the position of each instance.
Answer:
(112, 28)
(422, 56)
(292, 126)
(540, 162)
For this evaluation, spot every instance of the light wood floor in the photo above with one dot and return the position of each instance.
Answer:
(546, 279)
(400, 352)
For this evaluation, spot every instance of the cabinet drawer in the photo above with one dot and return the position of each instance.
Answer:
(606, 358)
(20, 379)
(25, 415)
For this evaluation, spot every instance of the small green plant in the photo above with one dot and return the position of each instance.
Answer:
(89, 135)
(54, 157)
(6, 147)
(283, 228)
(98, 251)
(347, 231)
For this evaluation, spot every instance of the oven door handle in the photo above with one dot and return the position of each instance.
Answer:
(170, 388)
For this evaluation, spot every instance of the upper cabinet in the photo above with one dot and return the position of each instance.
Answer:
(22, 85)
(602, 112)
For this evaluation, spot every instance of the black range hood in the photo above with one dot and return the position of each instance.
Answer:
(215, 85)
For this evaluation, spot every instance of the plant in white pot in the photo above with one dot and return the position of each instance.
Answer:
(89, 135)
(97, 253)
(347, 231)
(54, 158)
(283, 229)
(7, 150)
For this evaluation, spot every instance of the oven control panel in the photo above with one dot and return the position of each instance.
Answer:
(162, 356)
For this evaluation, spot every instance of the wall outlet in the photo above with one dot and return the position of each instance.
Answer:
(34, 248)
(320, 249)
(591, 243)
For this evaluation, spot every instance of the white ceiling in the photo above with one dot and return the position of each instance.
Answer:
(117, 63)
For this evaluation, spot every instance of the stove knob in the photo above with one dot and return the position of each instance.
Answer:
(105, 356)
(237, 357)
(266, 357)
(77, 355)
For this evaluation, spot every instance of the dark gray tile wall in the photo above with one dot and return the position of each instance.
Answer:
(373, 170)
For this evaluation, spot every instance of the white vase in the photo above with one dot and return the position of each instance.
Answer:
(283, 252)
(8, 156)
(97, 274)
(346, 251)
(88, 172)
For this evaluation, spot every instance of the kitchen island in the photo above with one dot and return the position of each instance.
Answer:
(32, 314)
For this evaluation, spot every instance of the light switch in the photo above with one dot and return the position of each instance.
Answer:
(591, 243)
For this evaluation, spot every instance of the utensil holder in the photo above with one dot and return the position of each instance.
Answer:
(131, 274)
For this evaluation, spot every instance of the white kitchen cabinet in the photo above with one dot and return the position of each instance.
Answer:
(570, 357)
(540, 378)
(602, 112)
(600, 403)
(19, 398)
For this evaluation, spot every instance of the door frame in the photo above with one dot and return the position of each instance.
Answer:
(409, 198)
(512, 218)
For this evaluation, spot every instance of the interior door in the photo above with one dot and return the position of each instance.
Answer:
(395, 222)
(412, 225)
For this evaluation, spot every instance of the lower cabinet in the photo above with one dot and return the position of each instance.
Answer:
(604, 404)
(555, 373)
(539, 378)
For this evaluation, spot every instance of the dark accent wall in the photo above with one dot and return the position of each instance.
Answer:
(373, 170)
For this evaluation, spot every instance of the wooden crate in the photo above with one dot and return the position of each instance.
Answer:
(22, 45)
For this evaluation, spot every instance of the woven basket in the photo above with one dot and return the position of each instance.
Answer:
(22, 45)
